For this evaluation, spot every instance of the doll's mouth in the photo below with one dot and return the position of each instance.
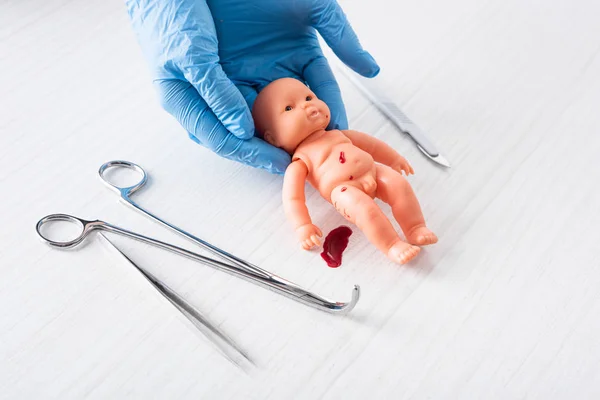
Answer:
(314, 114)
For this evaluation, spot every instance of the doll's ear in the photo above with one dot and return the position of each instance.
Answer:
(270, 138)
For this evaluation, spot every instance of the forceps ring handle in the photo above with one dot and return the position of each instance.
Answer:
(124, 192)
(85, 228)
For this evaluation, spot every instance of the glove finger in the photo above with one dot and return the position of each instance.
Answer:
(331, 22)
(249, 94)
(181, 100)
(322, 82)
(254, 152)
(223, 98)
(182, 40)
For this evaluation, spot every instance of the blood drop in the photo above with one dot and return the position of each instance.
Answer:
(335, 244)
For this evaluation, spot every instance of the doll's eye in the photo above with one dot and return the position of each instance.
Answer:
(308, 98)
(288, 108)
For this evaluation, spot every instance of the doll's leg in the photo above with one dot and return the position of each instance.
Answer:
(360, 209)
(395, 190)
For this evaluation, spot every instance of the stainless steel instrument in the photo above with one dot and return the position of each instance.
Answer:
(233, 264)
(375, 94)
(223, 342)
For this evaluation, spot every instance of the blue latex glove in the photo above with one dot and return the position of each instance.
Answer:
(259, 41)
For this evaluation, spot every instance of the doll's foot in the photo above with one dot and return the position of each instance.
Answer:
(402, 253)
(422, 236)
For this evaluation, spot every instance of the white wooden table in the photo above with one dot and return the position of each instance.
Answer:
(506, 306)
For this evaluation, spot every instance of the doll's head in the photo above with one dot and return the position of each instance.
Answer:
(286, 112)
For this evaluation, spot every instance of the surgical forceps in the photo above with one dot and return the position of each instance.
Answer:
(219, 338)
(236, 266)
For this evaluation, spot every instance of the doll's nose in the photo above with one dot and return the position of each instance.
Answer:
(310, 109)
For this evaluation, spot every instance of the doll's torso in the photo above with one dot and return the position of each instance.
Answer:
(333, 160)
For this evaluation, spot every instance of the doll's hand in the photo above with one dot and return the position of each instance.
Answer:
(403, 165)
(309, 235)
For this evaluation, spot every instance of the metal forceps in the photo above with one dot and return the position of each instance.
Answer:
(234, 265)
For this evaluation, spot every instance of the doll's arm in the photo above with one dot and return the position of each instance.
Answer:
(294, 205)
(381, 152)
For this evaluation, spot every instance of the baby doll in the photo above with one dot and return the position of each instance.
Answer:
(348, 168)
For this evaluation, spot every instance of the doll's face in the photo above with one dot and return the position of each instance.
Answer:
(286, 112)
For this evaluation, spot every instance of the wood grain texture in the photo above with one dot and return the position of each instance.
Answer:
(505, 306)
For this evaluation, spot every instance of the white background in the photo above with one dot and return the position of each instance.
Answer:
(505, 306)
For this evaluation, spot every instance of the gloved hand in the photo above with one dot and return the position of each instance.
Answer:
(259, 41)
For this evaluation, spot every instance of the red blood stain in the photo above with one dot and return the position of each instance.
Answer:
(351, 177)
(335, 244)
(342, 157)
(344, 189)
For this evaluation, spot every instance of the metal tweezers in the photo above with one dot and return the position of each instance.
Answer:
(219, 338)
